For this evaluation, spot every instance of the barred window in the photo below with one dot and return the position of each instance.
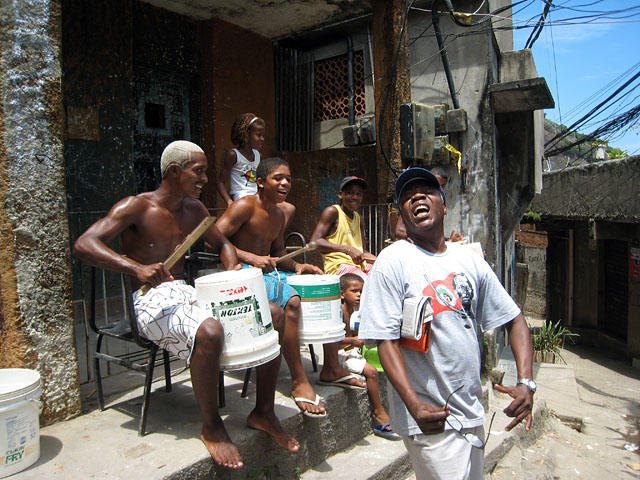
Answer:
(331, 96)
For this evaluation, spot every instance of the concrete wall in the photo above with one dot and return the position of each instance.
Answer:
(36, 321)
(502, 24)
(605, 191)
(471, 194)
(532, 251)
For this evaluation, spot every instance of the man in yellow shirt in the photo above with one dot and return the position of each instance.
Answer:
(339, 233)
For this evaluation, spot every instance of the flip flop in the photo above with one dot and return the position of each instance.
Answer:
(312, 402)
(381, 431)
(342, 382)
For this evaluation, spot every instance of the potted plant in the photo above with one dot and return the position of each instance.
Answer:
(548, 341)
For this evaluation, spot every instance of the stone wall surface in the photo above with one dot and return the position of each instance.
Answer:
(37, 325)
(602, 191)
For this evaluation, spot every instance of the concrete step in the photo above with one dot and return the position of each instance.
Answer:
(105, 444)
(372, 458)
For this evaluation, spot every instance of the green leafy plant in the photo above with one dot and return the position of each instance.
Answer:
(615, 152)
(550, 338)
(531, 215)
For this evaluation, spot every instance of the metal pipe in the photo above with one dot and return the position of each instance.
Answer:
(351, 101)
(443, 54)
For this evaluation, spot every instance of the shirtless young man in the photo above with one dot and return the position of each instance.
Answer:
(149, 227)
(255, 225)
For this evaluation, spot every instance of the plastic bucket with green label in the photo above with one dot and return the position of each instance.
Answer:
(238, 299)
(321, 320)
(19, 419)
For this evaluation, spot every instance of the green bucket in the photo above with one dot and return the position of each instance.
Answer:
(371, 356)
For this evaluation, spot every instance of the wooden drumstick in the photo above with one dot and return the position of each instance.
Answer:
(181, 249)
(309, 247)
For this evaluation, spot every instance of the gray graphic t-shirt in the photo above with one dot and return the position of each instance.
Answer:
(464, 294)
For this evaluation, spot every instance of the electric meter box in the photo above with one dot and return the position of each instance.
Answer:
(417, 132)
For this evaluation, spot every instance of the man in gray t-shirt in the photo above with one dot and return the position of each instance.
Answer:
(435, 399)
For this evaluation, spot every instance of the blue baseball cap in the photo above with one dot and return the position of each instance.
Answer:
(417, 173)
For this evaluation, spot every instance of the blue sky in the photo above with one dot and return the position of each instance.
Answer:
(582, 61)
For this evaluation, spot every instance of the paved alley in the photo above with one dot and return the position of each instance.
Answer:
(590, 443)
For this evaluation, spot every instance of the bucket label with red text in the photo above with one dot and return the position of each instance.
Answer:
(241, 316)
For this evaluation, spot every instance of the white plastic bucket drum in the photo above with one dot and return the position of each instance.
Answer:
(19, 419)
(321, 320)
(238, 299)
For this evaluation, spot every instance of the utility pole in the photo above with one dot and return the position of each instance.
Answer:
(392, 87)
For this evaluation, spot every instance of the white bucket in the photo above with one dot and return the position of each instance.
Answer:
(238, 299)
(321, 320)
(19, 419)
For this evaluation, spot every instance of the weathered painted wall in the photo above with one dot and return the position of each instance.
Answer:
(118, 56)
(316, 180)
(97, 88)
(36, 320)
(166, 73)
(242, 80)
(533, 251)
(602, 191)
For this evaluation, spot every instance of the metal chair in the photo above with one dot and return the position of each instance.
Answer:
(141, 359)
(194, 263)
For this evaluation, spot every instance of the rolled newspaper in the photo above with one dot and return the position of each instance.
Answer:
(416, 311)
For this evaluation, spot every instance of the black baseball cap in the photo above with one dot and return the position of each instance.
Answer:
(417, 173)
(360, 181)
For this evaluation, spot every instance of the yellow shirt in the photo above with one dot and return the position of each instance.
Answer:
(348, 233)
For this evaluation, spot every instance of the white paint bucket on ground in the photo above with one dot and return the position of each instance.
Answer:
(19, 419)
(321, 320)
(238, 298)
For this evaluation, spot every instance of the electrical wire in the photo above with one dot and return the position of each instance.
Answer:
(537, 30)
(624, 15)
(576, 124)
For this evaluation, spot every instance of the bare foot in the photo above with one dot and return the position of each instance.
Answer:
(269, 423)
(305, 390)
(220, 447)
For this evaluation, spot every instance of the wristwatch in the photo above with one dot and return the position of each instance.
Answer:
(529, 383)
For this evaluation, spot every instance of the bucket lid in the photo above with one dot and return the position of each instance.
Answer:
(229, 276)
(17, 381)
(306, 280)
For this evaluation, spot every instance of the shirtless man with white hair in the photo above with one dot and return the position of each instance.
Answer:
(149, 227)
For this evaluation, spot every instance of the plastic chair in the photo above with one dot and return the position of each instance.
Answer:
(141, 359)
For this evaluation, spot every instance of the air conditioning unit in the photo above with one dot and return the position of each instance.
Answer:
(417, 133)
